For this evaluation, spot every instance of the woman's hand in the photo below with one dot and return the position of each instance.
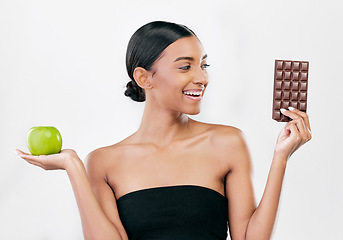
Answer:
(50, 162)
(294, 134)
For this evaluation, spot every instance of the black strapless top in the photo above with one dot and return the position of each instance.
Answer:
(181, 212)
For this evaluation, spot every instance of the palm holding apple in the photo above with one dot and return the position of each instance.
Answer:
(45, 145)
(50, 162)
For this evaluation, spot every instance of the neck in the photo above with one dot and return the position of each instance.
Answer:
(162, 127)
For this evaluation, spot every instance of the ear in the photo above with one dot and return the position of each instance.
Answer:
(141, 77)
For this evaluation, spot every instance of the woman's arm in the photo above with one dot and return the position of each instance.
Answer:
(248, 222)
(261, 223)
(95, 224)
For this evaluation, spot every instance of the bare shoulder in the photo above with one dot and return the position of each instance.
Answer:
(102, 158)
(229, 144)
(224, 135)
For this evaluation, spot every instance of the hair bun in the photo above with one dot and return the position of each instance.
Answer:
(135, 92)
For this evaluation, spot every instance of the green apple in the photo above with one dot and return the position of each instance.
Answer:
(44, 140)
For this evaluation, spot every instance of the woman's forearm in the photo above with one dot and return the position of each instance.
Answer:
(262, 221)
(95, 224)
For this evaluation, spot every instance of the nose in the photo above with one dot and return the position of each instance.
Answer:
(200, 77)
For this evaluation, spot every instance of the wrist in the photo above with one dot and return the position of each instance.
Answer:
(280, 157)
(73, 163)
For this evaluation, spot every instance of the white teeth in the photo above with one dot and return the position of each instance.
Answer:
(192, 93)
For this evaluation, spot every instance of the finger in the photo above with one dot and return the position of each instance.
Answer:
(21, 153)
(295, 136)
(295, 133)
(302, 129)
(297, 114)
(306, 122)
(303, 115)
(291, 114)
(27, 156)
(34, 162)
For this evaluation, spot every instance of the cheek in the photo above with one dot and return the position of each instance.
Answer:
(170, 84)
(172, 91)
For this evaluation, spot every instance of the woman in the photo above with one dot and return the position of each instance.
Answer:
(174, 178)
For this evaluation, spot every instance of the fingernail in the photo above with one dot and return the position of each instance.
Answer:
(291, 108)
(282, 110)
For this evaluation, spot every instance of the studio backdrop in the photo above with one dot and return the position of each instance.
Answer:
(62, 64)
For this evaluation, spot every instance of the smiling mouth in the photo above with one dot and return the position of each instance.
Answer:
(194, 94)
(191, 93)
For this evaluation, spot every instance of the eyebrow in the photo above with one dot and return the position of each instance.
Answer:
(189, 58)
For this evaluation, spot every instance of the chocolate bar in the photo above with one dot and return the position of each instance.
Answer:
(290, 87)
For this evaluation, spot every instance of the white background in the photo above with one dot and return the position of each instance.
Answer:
(62, 63)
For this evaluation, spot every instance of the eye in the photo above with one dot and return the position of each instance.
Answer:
(185, 67)
(204, 66)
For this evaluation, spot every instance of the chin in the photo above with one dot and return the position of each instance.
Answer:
(192, 112)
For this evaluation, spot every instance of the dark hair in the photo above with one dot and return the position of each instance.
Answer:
(146, 46)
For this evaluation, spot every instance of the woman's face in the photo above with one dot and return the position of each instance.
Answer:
(179, 76)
